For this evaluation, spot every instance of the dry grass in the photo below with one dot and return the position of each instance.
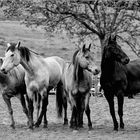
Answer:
(101, 120)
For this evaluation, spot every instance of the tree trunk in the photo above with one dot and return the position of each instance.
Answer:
(103, 42)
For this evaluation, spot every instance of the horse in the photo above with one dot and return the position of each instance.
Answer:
(41, 75)
(133, 77)
(114, 78)
(13, 85)
(77, 82)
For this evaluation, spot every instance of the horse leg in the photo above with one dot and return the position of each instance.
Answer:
(74, 115)
(38, 109)
(45, 117)
(45, 121)
(6, 99)
(43, 112)
(38, 104)
(23, 103)
(120, 98)
(110, 100)
(80, 117)
(80, 108)
(30, 112)
(73, 121)
(65, 111)
(39, 120)
(87, 110)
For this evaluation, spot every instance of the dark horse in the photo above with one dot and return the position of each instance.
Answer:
(114, 78)
(133, 77)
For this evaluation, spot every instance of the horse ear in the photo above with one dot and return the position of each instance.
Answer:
(8, 44)
(109, 40)
(89, 46)
(114, 39)
(18, 45)
(1, 60)
(84, 48)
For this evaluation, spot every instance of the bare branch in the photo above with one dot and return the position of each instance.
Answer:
(131, 45)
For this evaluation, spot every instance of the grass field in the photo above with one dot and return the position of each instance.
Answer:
(48, 45)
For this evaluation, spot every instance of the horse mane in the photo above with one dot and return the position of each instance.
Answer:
(74, 55)
(25, 53)
(77, 72)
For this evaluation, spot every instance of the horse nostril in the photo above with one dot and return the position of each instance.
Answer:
(3, 70)
(127, 60)
(97, 71)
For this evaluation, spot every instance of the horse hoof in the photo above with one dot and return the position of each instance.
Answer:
(30, 130)
(115, 128)
(122, 126)
(80, 126)
(30, 127)
(90, 128)
(45, 126)
(12, 126)
(65, 123)
(72, 126)
(36, 125)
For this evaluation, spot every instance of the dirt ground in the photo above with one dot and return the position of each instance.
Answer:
(101, 120)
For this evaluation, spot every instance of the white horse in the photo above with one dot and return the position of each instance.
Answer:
(77, 81)
(12, 84)
(41, 75)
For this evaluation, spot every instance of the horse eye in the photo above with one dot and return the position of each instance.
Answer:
(12, 55)
(87, 57)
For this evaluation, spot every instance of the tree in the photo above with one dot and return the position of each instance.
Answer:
(83, 18)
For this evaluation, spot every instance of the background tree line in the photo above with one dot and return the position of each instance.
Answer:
(94, 19)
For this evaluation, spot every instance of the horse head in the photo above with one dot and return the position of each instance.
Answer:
(84, 58)
(113, 51)
(12, 57)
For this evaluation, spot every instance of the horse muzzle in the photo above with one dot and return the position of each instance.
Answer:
(3, 71)
(97, 71)
(94, 71)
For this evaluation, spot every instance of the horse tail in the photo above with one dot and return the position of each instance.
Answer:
(59, 99)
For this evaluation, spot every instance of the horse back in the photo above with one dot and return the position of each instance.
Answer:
(133, 76)
(133, 69)
(55, 69)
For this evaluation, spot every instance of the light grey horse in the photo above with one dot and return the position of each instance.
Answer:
(12, 84)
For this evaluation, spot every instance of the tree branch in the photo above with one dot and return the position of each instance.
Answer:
(132, 46)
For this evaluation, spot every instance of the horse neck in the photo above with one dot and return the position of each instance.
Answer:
(31, 65)
(78, 73)
(4, 79)
(109, 67)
